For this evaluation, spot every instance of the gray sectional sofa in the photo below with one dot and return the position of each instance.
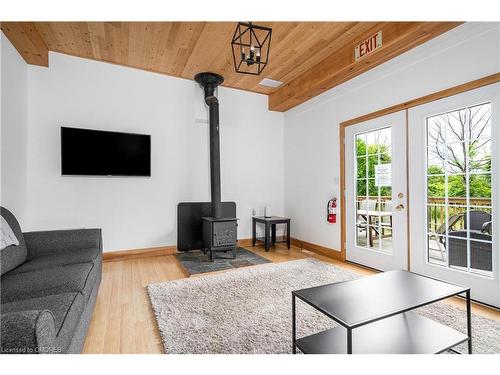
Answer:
(48, 289)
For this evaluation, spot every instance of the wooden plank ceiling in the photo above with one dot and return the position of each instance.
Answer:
(309, 57)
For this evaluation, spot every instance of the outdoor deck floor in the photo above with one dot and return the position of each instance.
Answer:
(435, 256)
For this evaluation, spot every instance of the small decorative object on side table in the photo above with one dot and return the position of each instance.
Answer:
(270, 229)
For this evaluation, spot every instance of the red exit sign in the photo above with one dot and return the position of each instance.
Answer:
(368, 45)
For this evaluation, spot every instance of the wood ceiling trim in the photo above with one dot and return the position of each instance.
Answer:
(398, 37)
(27, 41)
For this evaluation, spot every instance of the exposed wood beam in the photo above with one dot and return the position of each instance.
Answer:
(28, 42)
(398, 37)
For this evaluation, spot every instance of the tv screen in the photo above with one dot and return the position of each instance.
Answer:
(103, 153)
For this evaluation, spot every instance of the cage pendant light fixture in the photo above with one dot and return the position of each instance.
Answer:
(250, 45)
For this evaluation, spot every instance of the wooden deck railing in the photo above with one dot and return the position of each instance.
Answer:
(436, 208)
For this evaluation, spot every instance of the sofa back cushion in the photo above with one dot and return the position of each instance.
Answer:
(7, 237)
(12, 256)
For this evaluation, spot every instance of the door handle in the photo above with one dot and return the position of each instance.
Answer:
(400, 207)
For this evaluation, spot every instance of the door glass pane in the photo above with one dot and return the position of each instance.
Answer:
(361, 166)
(480, 156)
(435, 164)
(374, 190)
(435, 188)
(454, 158)
(437, 249)
(459, 196)
(436, 215)
(361, 185)
(480, 190)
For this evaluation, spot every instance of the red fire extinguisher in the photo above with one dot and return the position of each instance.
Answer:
(332, 211)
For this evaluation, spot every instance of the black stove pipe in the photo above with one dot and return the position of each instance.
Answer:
(209, 81)
(213, 104)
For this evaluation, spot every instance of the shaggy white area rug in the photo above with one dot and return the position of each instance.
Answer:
(249, 310)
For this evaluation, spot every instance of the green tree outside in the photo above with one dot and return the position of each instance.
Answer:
(479, 183)
(373, 159)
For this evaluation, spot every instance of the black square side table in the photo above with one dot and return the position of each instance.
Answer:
(270, 229)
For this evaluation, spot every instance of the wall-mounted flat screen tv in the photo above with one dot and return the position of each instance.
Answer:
(87, 152)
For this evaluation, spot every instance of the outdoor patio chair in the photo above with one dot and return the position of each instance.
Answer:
(478, 219)
(440, 232)
(362, 220)
(365, 205)
(386, 221)
(368, 205)
(478, 224)
(440, 242)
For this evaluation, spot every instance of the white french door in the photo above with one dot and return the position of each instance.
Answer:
(454, 183)
(375, 188)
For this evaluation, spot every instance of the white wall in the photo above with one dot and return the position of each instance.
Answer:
(13, 129)
(468, 52)
(141, 212)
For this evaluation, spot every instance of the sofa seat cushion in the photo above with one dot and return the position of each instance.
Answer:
(51, 260)
(47, 281)
(66, 308)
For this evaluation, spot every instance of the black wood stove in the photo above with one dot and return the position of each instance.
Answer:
(219, 232)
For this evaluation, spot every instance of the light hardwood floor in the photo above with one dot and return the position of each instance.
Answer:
(123, 320)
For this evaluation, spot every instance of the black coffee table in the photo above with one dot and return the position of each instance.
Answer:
(374, 313)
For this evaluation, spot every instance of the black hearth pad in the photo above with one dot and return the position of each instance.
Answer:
(195, 262)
